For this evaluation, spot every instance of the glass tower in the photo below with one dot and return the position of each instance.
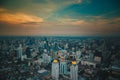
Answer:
(63, 67)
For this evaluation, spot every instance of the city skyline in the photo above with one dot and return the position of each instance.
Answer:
(60, 17)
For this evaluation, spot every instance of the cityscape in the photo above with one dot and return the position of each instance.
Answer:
(59, 58)
(59, 39)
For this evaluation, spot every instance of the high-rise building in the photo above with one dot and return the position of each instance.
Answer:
(45, 57)
(20, 51)
(78, 54)
(52, 53)
(91, 58)
(63, 66)
(74, 71)
(55, 70)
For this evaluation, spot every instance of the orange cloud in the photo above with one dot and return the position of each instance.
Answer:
(2, 9)
(117, 20)
(79, 22)
(18, 18)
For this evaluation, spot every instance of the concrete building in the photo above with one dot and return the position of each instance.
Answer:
(20, 52)
(74, 71)
(55, 70)
(63, 66)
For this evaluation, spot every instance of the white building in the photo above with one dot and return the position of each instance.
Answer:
(45, 57)
(20, 52)
(74, 71)
(55, 70)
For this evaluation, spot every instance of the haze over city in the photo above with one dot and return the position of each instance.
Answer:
(60, 17)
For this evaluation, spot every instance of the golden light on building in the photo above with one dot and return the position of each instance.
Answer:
(74, 62)
(55, 61)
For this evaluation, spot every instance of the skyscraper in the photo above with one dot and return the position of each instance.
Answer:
(20, 51)
(45, 57)
(63, 67)
(78, 54)
(55, 70)
(74, 71)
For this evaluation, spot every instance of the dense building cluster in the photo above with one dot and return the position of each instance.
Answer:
(59, 58)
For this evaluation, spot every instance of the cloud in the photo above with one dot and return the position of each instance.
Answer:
(36, 7)
(92, 25)
(2, 9)
(79, 22)
(44, 17)
(117, 20)
(18, 18)
(78, 27)
(78, 1)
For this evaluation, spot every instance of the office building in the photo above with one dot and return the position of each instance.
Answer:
(20, 52)
(74, 71)
(55, 70)
(63, 66)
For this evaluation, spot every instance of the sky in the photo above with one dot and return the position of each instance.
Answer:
(60, 17)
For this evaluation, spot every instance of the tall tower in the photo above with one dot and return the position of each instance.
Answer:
(63, 66)
(74, 71)
(55, 70)
(20, 52)
(45, 57)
